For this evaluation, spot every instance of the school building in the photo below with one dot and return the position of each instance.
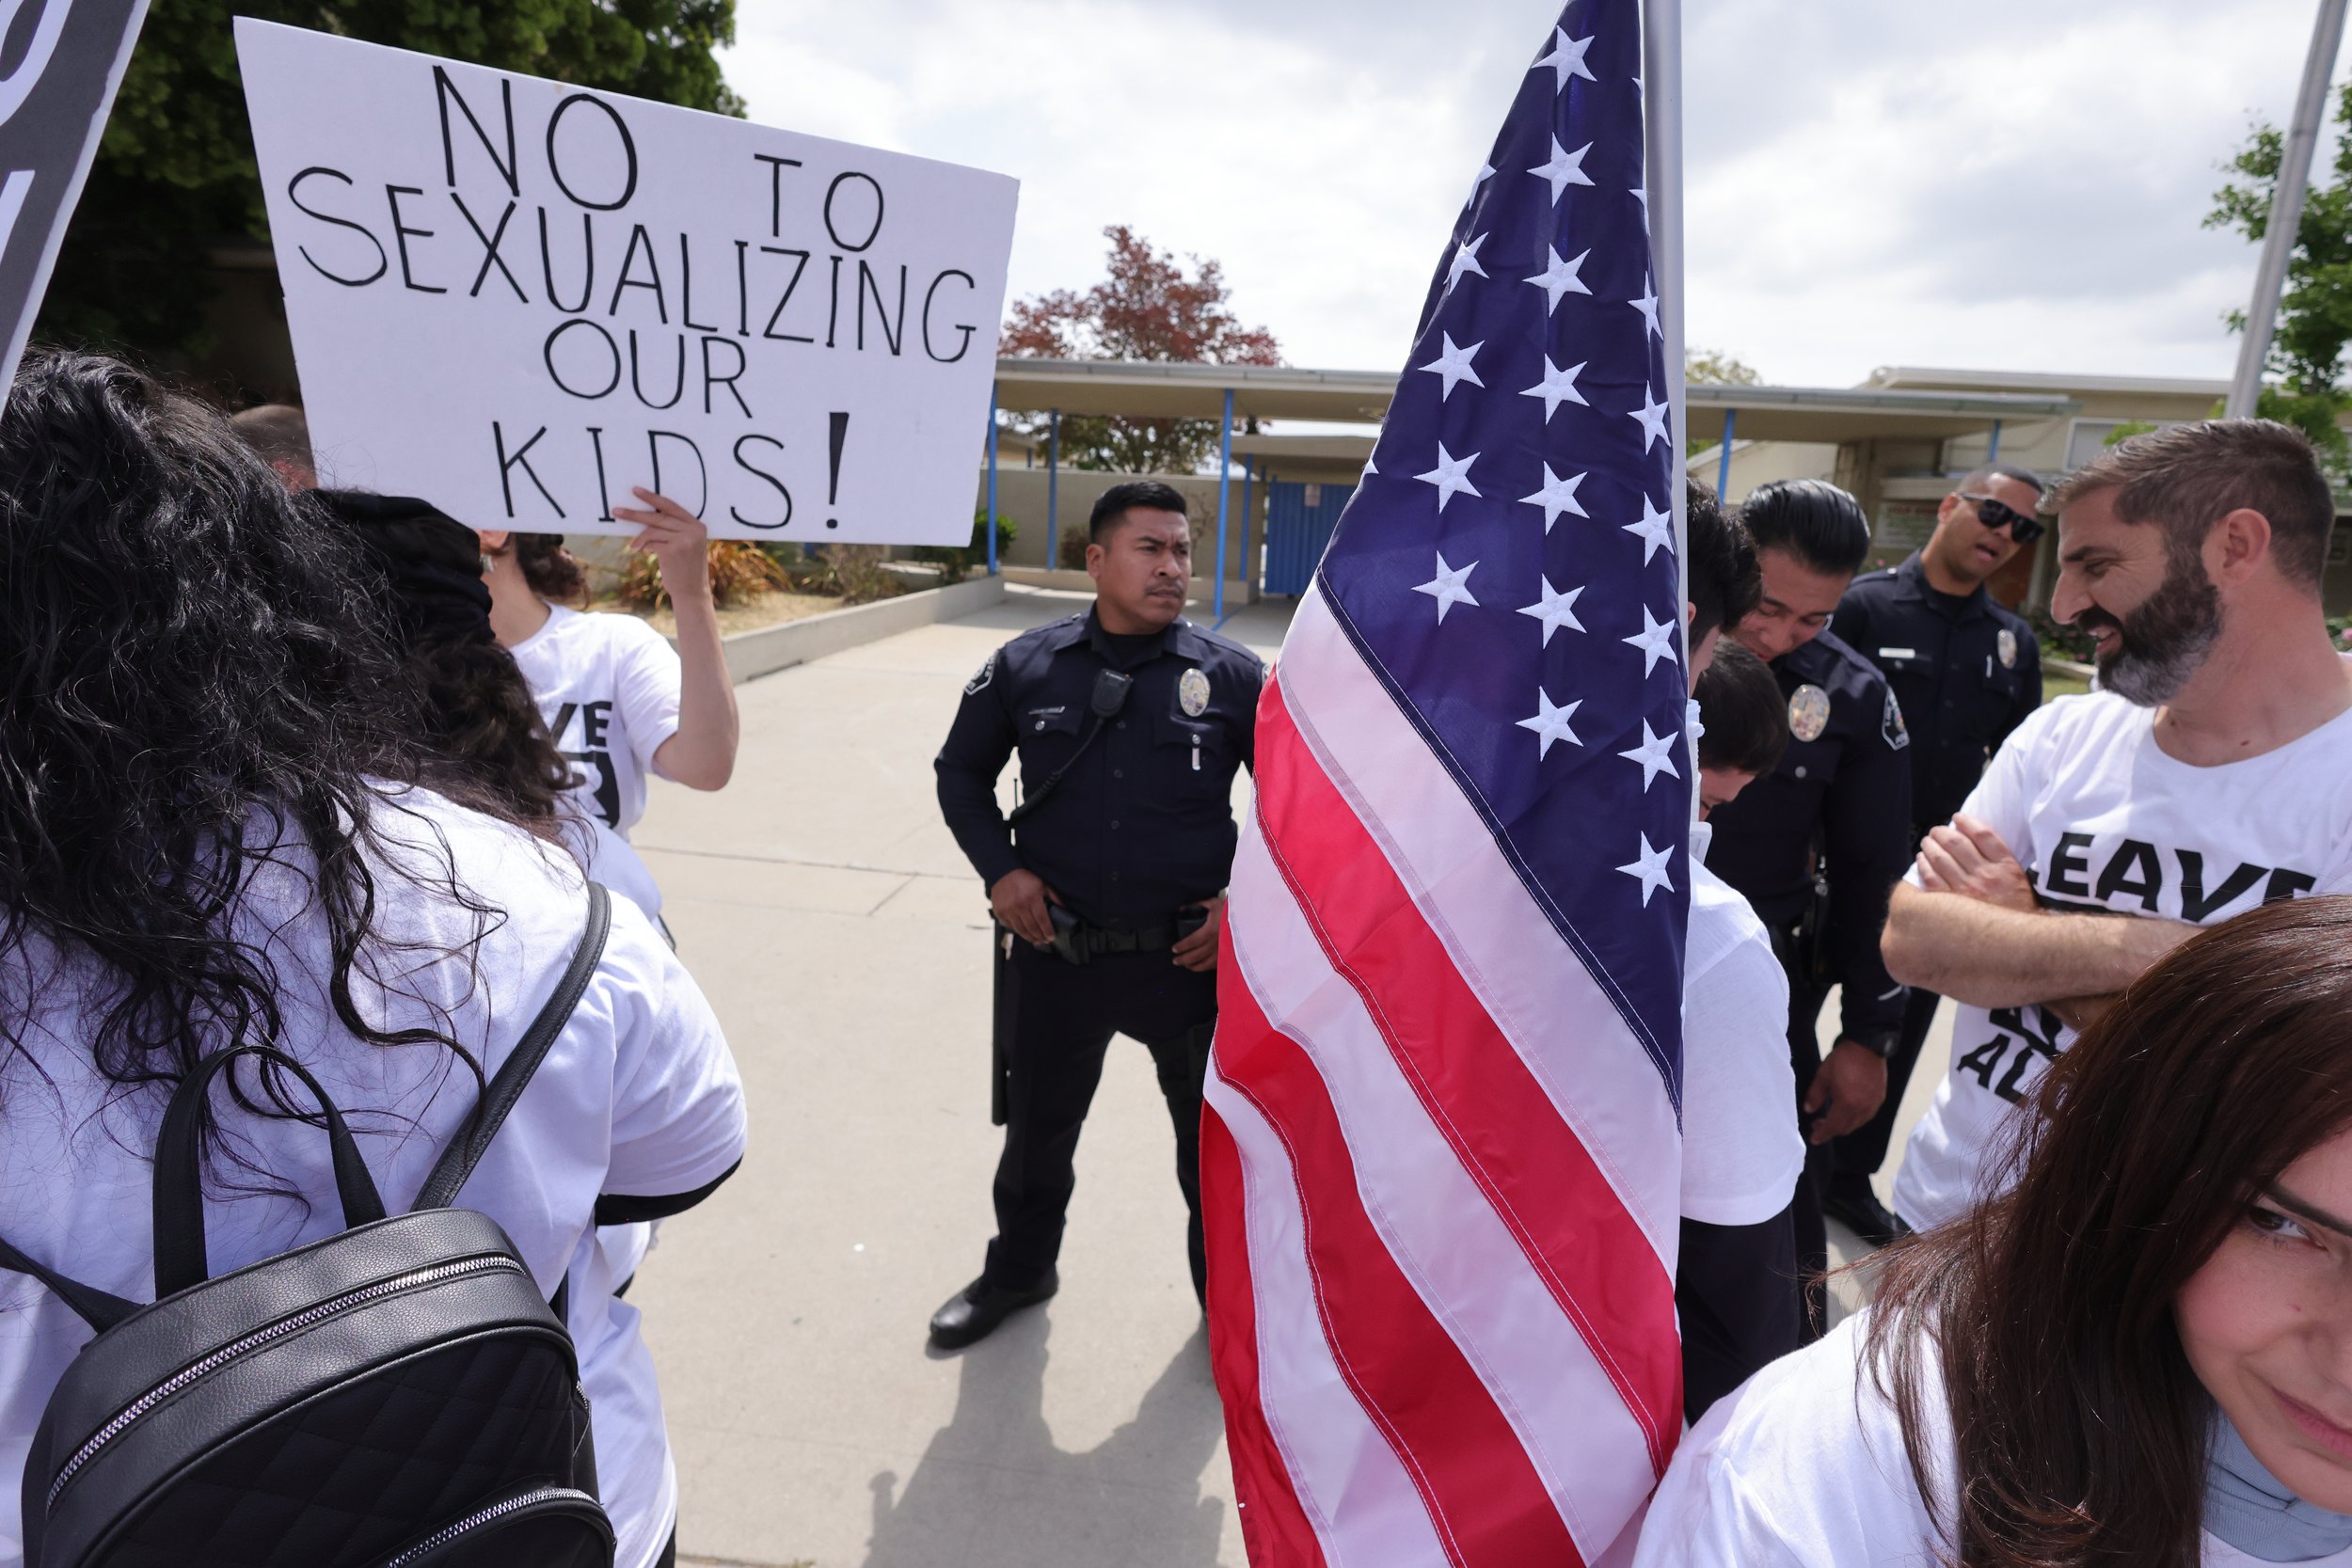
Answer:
(1898, 441)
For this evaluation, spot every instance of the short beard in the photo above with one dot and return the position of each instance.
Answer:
(2165, 639)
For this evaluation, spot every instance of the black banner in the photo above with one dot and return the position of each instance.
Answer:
(60, 62)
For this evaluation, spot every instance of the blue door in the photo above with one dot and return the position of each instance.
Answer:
(1299, 520)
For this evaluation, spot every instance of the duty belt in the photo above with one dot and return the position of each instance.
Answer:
(1076, 942)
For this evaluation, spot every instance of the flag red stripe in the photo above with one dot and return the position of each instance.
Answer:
(1273, 1528)
(1490, 1505)
(1543, 1183)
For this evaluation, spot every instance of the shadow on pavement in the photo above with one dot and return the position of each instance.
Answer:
(992, 1490)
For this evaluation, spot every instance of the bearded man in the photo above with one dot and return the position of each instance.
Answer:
(2211, 773)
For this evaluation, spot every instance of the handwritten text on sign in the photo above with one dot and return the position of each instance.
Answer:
(518, 299)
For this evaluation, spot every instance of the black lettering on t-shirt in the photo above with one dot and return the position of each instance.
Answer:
(2195, 907)
(2129, 857)
(1984, 1060)
(2036, 1035)
(593, 719)
(2288, 884)
(2068, 864)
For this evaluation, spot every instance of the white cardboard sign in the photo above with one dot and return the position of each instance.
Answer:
(517, 299)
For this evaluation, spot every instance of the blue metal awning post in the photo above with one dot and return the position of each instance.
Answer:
(1993, 452)
(1722, 469)
(989, 528)
(1053, 490)
(1249, 518)
(1224, 490)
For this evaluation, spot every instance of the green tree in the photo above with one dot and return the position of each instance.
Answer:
(174, 179)
(2315, 308)
(1145, 308)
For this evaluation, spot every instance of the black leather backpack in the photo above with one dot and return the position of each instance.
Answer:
(397, 1396)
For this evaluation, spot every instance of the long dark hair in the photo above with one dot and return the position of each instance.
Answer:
(194, 684)
(553, 572)
(477, 717)
(2078, 1427)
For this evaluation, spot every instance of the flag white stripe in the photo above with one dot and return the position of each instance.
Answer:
(1437, 1223)
(1365, 1511)
(1598, 1076)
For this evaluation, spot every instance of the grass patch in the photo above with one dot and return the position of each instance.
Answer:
(2054, 684)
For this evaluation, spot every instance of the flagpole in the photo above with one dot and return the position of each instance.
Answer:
(2287, 210)
(1661, 109)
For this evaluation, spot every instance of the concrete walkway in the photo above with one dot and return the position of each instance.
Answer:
(843, 940)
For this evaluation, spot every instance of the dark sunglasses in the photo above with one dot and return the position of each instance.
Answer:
(2021, 526)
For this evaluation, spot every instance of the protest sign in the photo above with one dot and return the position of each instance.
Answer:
(518, 299)
(53, 100)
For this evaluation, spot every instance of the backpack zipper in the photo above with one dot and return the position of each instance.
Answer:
(436, 1275)
(489, 1515)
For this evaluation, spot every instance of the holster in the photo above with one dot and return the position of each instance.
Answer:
(1005, 995)
(1812, 946)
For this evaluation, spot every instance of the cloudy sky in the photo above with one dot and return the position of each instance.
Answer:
(2004, 185)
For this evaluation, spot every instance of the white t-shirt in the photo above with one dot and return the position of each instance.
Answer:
(607, 687)
(1804, 1467)
(1740, 1151)
(2102, 819)
(637, 1096)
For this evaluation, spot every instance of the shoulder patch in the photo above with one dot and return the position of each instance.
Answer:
(988, 672)
(1891, 724)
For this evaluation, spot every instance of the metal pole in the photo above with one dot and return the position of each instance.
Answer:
(1992, 449)
(2287, 210)
(1722, 469)
(1248, 520)
(1662, 109)
(1053, 490)
(1224, 490)
(991, 528)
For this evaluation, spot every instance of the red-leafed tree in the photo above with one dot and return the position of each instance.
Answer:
(1146, 308)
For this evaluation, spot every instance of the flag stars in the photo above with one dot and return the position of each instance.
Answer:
(1647, 304)
(1655, 528)
(1550, 724)
(1465, 259)
(1653, 415)
(1451, 476)
(1559, 277)
(1564, 168)
(1557, 386)
(1555, 610)
(1655, 640)
(1557, 496)
(1566, 60)
(1450, 587)
(1649, 866)
(1453, 365)
(1656, 756)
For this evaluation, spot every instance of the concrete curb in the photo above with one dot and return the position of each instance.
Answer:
(751, 654)
(2068, 667)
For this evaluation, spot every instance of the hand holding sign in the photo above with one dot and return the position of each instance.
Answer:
(523, 301)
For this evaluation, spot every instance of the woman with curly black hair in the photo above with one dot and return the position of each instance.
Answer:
(216, 828)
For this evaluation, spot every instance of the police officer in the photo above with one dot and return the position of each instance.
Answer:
(1816, 846)
(1107, 880)
(1966, 671)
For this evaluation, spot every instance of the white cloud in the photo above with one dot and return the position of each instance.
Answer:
(2003, 184)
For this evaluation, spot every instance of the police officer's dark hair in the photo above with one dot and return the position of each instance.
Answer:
(2188, 477)
(1746, 720)
(1984, 474)
(1812, 519)
(1111, 508)
(1726, 582)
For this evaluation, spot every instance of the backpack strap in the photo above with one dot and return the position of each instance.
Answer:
(507, 1087)
(92, 1306)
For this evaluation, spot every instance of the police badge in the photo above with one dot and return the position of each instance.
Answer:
(1808, 712)
(988, 672)
(1192, 693)
(2007, 645)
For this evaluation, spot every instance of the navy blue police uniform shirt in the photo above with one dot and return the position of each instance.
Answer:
(1143, 824)
(1965, 668)
(1842, 793)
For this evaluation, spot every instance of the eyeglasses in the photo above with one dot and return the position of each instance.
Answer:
(2021, 526)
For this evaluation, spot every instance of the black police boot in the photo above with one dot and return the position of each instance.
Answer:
(1851, 1200)
(972, 1313)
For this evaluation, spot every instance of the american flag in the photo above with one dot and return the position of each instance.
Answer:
(1441, 1155)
